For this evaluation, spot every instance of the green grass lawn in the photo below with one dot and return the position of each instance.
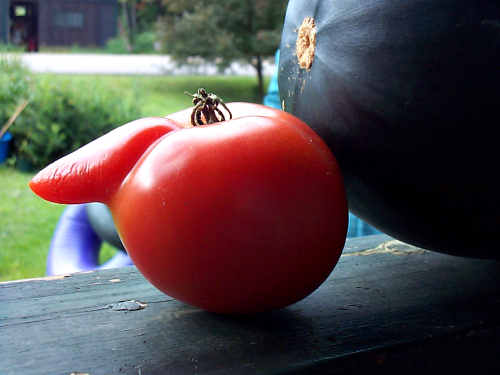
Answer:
(27, 222)
(26, 226)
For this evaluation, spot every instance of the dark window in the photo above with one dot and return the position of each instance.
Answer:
(69, 19)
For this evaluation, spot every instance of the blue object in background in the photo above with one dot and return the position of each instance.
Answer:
(75, 245)
(4, 146)
(272, 98)
(357, 227)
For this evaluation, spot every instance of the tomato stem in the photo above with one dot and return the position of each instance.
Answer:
(206, 104)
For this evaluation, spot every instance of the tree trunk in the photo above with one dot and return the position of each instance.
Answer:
(131, 18)
(260, 77)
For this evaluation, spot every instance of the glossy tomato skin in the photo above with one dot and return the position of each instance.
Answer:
(242, 216)
(95, 171)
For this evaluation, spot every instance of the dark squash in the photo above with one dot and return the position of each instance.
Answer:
(407, 95)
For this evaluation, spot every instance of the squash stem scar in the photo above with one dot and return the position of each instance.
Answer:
(305, 45)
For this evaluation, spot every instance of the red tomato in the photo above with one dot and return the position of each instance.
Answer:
(239, 216)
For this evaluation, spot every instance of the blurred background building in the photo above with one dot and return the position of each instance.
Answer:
(57, 22)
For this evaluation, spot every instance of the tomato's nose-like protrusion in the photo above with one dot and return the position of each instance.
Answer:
(95, 171)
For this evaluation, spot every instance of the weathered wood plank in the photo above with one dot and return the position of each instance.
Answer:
(386, 307)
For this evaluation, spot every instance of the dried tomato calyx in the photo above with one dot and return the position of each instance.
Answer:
(206, 109)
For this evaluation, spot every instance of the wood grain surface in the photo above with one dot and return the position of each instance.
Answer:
(387, 308)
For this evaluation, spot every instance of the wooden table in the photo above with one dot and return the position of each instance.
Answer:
(387, 308)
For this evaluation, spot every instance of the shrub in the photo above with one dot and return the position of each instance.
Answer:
(116, 46)
(65, 115)
(144, 43)
(11, 48)
(15, 85)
